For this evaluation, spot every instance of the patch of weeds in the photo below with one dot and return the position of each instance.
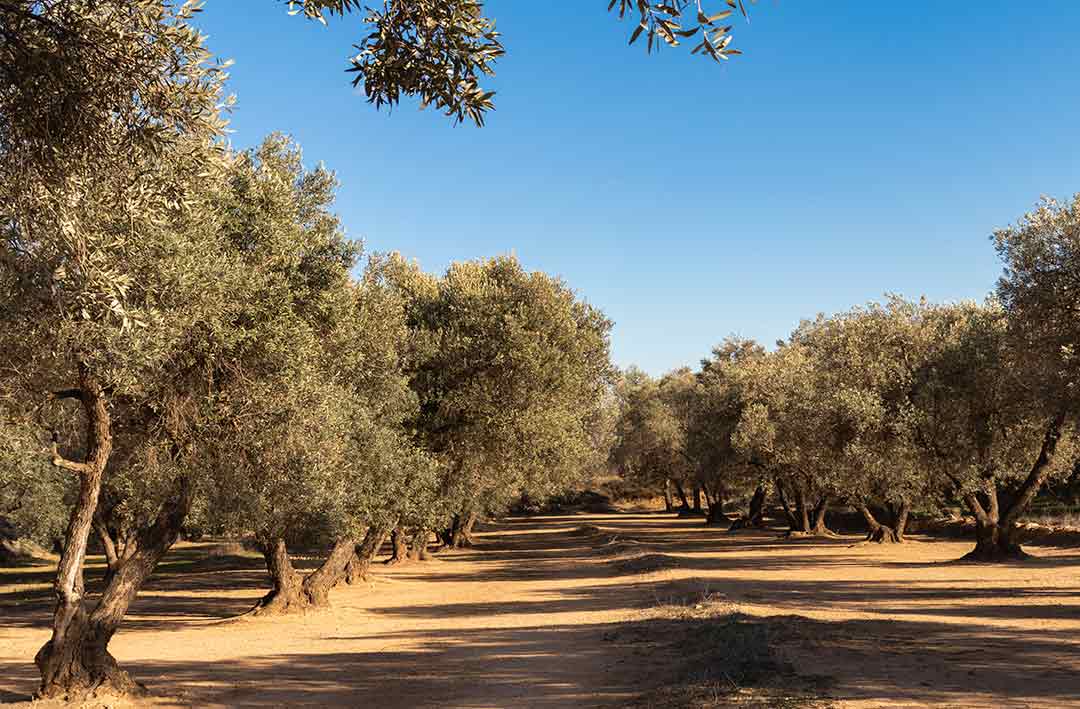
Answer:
(718, 657)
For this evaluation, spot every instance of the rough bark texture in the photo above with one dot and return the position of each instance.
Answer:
(82, 663)
(462, 531)
(399, 542)
(287, 594)
(330, 573)
(360, 564)
(294, 593)
(995, 528)
(75, 660)
(877, 531)
(418, 546)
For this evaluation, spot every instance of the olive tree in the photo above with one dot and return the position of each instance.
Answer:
(510, 369)
(868, 359)
(109, 113)
(313, 399)
(725, 470)
(650, 438)
(993, 434)
(784, 426)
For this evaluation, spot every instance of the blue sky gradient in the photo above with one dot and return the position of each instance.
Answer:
(857, 148)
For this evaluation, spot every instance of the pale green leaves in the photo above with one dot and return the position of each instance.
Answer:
(670, 21)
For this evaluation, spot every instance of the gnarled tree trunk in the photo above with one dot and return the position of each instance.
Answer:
(880, 532)
(418, 546)
(995, 529)
(366, 551)
(76, 661)
(669, 501)
(462, 534)
(806, 519)
(399, 542)
(294, 593)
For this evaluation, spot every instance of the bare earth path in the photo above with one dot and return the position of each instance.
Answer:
(536, 617)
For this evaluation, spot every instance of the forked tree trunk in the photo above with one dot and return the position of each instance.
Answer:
(83, 664)
(75, 660)
(995, 529)
(294, 593)
(360, 564)
(462, 535)
(882, 532)
(807, 520)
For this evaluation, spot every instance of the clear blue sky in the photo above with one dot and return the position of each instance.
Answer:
(856, 148)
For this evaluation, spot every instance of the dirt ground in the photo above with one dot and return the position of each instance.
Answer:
(545, 613)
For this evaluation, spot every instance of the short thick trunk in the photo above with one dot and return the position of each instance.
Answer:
(400, 543)
(418, 546)
(882, 533)
(462, 535)
(80, 666)
(287, 596)
(293, 593)
(995, 543)
(360, 563)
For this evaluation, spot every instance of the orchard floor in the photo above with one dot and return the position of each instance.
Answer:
(544, 614)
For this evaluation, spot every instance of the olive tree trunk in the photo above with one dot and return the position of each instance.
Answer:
(359, 565)
(805, 518)
(294, 593)
(462, 531)
(995, 528)
(755, 516)
(418, 546)
(882, 532)
(399, 542)
(76, 662)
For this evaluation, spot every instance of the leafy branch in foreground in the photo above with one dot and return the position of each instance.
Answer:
(440, 50)
(664, 21)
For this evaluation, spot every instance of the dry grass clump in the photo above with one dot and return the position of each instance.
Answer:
(645, 563)
(722, 658)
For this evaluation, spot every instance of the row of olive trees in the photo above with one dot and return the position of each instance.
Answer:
(887, 408)
(182, 330)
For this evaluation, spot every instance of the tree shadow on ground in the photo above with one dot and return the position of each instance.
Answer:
(961, 650)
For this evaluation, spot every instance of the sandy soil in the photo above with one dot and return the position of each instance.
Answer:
(537, 616)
